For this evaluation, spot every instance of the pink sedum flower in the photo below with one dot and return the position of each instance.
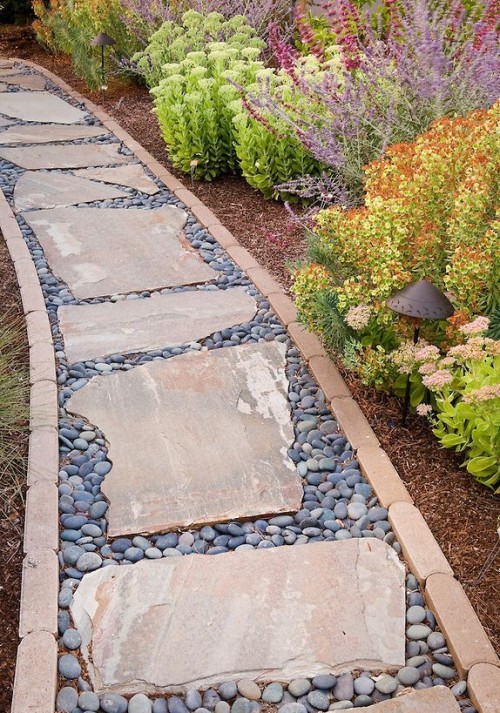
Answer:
(477, 326)
(438, 379)
(428, 352)
(424, 409)
(485, 393)
(358, 317)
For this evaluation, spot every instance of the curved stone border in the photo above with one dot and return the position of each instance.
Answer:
(36, 666)
(464, 633)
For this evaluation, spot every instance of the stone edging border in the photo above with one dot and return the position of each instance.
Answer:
(472, 650)
(36, 668)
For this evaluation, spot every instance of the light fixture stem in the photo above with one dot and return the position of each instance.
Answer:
(408, 382)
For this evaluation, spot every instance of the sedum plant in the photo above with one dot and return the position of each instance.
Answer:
(193, 33)
(465, 410)
(267, 151)
(194, 106)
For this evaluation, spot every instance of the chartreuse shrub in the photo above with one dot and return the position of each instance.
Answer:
(197, 101)
(268, 152)
(193, 103)
(431, 211)
(193, 33)
(69, 26)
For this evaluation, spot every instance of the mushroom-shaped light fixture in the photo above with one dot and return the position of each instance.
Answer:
(103, 40)
(419, 300)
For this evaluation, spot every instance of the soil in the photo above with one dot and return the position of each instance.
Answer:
(462, 515)
(11, 504)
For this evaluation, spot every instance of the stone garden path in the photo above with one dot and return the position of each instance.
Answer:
(189, 427)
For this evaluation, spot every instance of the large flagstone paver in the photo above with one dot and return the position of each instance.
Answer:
(279, 614)
(39, 189)
(198, 438)
(103, 251)
(64, 156)
(49, 133)
(432, 700)
(160, 321)
(42, 107)
(27, 81)
(9, 71)
(132, 175)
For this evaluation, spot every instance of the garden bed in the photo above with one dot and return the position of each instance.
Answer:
(461, 514)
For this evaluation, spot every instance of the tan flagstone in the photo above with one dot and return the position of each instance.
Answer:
(33, 82)
(64, 156)
(39, 189)
(198, 438)
(49, 133)
(132, 175)
(42, 107)
(158, 322)
(8, 70)
(432, 700)
(275, 614)
(104, 251)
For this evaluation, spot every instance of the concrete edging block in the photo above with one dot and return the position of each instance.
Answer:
(483, 687)
(465, 636)
(35, 682)
(417, 542)
(353, 422)
(40, 586)
(41, 528)
(377, 467)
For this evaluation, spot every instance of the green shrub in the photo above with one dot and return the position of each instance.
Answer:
(172, 42)
(69, 26)
(193, 104)
(268, 152)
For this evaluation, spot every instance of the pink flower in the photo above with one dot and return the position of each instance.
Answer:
(477, 326)
(424, 409)
(485, 393)
(428, 352)
(438, 379)
(428, 368)
(358, 317)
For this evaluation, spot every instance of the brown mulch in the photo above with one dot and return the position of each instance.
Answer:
(462, 514)
(12, 513)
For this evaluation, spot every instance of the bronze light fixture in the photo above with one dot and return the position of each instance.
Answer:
(419, 300)
(103, 40)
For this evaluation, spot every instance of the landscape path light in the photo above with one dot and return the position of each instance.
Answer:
(419, 300)
(103, 40)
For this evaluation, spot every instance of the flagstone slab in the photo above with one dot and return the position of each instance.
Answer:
(34, 82)
(432, 700)
(7, 69)
(42, 107)
(104, 251)
(39, 189)
(4, 122)
(131, 175)
(276, 614)
(158, 322)
(3, 87)
(49, 133)
(195, 439)
(65, 156)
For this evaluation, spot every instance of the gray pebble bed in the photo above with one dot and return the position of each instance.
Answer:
(338, 503)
